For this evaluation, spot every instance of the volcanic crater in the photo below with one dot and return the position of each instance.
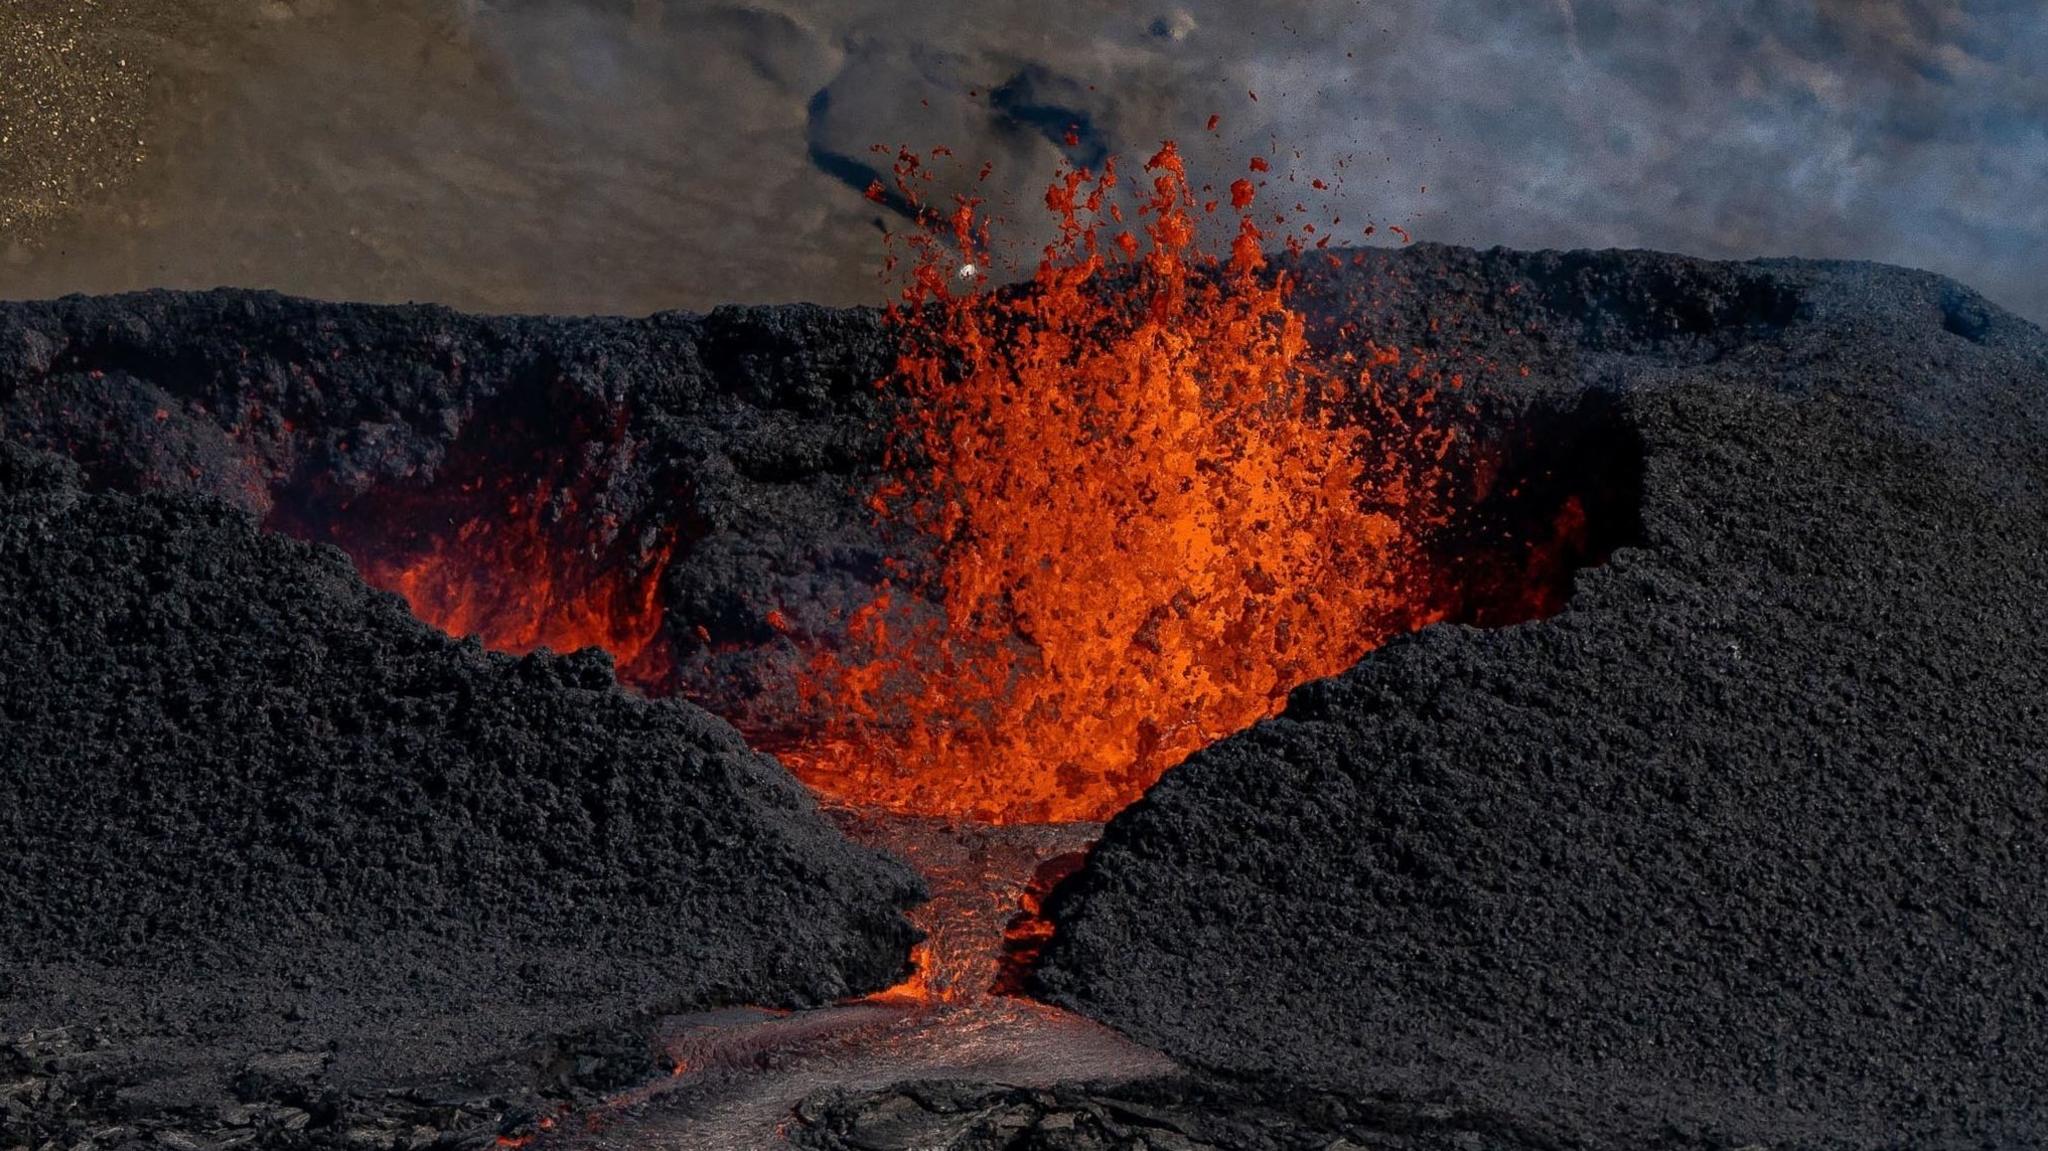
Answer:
(1648, 761)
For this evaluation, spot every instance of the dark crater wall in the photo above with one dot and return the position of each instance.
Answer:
(1742, 847)
(271, 850)
(251, 809)
(732, 438)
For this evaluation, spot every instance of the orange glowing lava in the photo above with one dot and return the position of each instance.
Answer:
(977, 943)
(521, 561)
(505, 578)
(1148, 521)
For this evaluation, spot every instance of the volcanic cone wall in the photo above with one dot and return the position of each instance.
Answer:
(1742, 847)
(251, 810)
(1734, 849)
(508, 466)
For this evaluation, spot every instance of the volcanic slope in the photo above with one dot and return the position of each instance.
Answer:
(1743, 846)
(265, 839)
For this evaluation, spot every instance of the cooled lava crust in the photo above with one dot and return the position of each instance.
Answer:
(1743, 846)
(1737, 847)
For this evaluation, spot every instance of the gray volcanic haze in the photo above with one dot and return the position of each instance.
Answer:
(636, 155)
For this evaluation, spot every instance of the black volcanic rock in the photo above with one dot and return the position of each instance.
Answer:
(1740, 848)
(1176, 1113)
(735, 435)
(250, 807)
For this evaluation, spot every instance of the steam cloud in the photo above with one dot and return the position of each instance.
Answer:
(630, 155)
(1908, 131)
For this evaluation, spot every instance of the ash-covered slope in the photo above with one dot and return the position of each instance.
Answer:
(1744, 846)
(250, 807)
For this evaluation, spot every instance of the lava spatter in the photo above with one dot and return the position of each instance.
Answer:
(1148, 519)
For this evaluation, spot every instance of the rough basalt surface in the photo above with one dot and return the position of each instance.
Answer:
(1742, 847)
(1183, 1113)
(273, 852)
(732, 437)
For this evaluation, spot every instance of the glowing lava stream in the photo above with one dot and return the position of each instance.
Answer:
(741, 1074)
(1147, 535)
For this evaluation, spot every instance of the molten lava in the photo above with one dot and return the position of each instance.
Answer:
(520, 559)
(557, 598)
(1129, 508)
(1149, 513)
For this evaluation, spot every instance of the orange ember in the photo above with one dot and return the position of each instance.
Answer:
(1146, 524)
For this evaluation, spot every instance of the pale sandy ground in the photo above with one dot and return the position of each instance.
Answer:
(634, 155)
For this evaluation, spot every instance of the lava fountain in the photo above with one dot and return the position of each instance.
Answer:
(1131, 499)
(1149, 512)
